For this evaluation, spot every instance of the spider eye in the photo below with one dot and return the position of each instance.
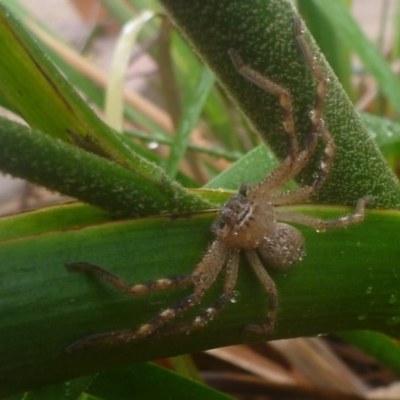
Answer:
(227, 215)
(217, 226)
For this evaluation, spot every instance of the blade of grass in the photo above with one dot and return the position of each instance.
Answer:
(395, 49)
(386, 134)
(47, 219)
(377, 345)
(353, 37)
(71, 390)
(59, 166)
(160, 138)
(114, 106)
(188, 67)
(120, 10)
(169, 85)
(326, 36)
(149, 381)
(251, 168)
(190, 115)
(141, 110)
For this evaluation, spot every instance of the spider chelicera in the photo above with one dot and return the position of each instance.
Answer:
(247, 222)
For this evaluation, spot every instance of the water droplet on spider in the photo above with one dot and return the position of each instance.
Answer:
(362, 317)
(393, 299)
(369, 290)
(302, 255)
(393, 320)
(235, 296)
(152, 145)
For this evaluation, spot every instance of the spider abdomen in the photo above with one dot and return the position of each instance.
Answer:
(283, 247)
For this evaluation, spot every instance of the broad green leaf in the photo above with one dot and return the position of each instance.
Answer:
(347, 281)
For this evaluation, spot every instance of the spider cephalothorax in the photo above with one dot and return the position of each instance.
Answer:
(248, 225)
(250, 221)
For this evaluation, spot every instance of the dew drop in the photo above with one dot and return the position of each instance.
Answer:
(369, 290)
(234, 297)
(152, 145)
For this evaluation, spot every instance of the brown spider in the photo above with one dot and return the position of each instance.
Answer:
(248, 222)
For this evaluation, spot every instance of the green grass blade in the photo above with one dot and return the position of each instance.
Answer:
(46, 219)
(149, 381)
(377, 345)
(190, 115)
(70, 390)
(326, 36)
(352, 36)
(114, 107)
(251, 168)
(59, 166)
(119, 9)
(385, 133)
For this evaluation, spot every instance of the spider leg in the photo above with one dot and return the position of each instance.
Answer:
(316, 125)
(270, 287)
(285, 98)
(274, 180)
(231, 273)
(135, 290)
(202, 278)
(322, 225)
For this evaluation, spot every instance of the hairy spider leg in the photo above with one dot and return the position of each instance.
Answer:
(231, 272)
(274, 180)
(270, 287)
(202, 278)
(135, 290)
(317, 125)
(321, 225)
